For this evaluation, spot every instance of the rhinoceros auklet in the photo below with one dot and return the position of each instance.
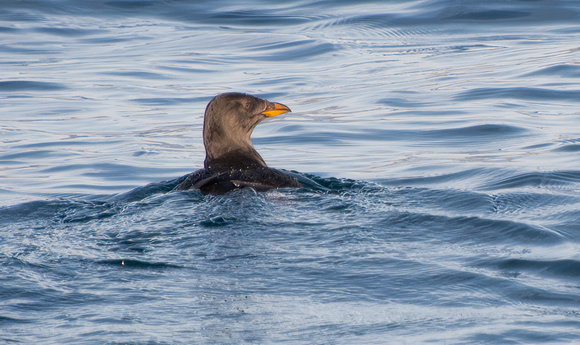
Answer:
(231, 162)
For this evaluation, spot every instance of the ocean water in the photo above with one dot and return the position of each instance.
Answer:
(445, 135)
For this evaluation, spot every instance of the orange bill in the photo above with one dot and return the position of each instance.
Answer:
(275, 109)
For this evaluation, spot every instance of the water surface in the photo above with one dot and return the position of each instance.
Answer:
(445, 136)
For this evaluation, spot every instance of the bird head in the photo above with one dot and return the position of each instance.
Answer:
(229, 121)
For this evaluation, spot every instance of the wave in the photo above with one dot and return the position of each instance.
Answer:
(550, 180)
(30, 85)
(483, 179)
(561, 70)
(560, 268)
(475, 230)
(139, 264)
(292, 51)
(297, 12)
(367, 241)
(471, 135)
(523, 93)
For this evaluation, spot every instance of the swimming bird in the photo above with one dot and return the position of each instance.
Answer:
(231, 162)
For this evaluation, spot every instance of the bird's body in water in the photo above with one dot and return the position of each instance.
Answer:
(231, 162)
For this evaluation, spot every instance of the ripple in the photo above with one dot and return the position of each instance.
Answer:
(391, 26)
(28, 155)
(563, 70)
(42, 210)
(144, 192)
(476, 229)
(217, 221)
(140, 264)
(523, 93)
(29, 85)
(295, 50)
(6, 29)
(129, 5)
(455, 178)
(67, 32)
(9, 320)
(534, 205)
(108, 171)
(568, 148)
(564, 268)
(495, 11)
(60, 143)
(403, 103)
(262, 17)
(471, 135)
(170, 100)
(20, 15)
(556, 179)
(478, 130)
(489, 15)
(138, 74)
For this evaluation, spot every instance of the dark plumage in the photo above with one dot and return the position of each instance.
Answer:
(231, 161)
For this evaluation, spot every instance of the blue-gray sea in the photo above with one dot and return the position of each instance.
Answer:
(444, 137)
